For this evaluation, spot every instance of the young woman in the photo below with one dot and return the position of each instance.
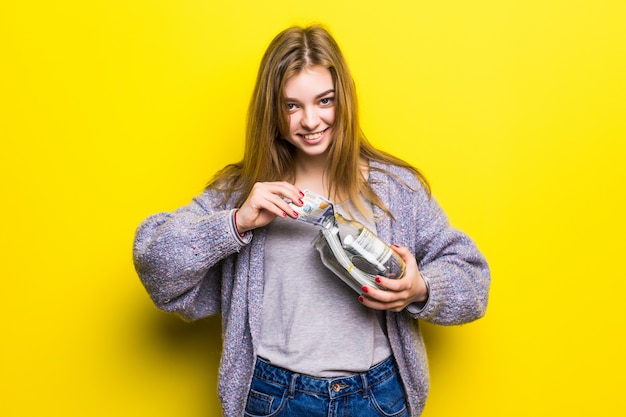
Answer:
(297, 340)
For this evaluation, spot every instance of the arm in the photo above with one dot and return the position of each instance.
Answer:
(178, 256)
(447, 279)
(457, 273)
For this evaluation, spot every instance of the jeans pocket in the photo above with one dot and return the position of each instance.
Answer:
(265, 399)
(388, 397)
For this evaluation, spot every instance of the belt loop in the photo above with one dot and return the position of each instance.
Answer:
(365, 387)
(292, 385)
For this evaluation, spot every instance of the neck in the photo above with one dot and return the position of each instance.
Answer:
(311, 175)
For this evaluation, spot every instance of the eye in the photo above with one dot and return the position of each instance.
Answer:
(327, 101)
(291, 107)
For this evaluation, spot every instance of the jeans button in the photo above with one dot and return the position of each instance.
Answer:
(336, 387)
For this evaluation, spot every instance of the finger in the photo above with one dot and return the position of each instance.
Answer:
(378, 295)
(279, 207)
(397, 284)
(367, 301)
(403, 251)
(265, 202)
(409, 259)
(289, 192)
(268, 196)
(388, 299)
(257, 211)
(284, 206)
(285, 196)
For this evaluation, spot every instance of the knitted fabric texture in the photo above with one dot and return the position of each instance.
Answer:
(191, 264)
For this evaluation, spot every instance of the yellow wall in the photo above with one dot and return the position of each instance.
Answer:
(113, 110)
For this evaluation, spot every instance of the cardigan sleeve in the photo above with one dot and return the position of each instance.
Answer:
(178, 256)
(457, 272)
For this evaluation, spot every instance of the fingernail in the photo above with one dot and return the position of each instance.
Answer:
(365, 289)
(361, 299)
(284, 214)
(395, 246)
(301, 194)
(301, 202)
(295, 213)
(378, 280)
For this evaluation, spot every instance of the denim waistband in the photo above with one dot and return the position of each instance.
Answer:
(332, 387)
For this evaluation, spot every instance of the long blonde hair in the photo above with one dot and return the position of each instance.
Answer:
(269, 158)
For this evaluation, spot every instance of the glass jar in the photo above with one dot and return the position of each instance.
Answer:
(355, 254)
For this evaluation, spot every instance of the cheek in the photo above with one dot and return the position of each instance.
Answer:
(293, 123)
(329, 116)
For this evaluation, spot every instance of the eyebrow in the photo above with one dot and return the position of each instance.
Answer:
(325, 93)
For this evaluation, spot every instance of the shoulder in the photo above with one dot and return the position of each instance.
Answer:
(394, 176)
(214, 199)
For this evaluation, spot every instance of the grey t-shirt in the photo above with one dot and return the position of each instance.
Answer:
(313, 322)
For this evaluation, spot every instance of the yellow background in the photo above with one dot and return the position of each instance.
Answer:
(114, 110)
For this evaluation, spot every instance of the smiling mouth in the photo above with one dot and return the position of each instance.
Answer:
(314, 136)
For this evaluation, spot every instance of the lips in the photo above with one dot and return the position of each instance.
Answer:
(313, 137)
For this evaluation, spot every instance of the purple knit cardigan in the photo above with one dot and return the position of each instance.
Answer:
(190, 264)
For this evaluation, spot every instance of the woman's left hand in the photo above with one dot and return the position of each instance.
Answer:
(399, 293)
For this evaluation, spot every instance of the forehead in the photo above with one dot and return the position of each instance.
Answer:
(309, 83)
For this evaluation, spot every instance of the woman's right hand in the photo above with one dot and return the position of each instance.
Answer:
(266, 202)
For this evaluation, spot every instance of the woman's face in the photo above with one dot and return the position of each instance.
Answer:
(310, 97)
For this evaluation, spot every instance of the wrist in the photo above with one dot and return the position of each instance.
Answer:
(418, 306)
(241, 238)
(423, 296)
(237, 228)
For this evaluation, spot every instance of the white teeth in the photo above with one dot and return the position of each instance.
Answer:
(313, 136)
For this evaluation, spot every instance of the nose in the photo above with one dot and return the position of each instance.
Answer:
(310, 118)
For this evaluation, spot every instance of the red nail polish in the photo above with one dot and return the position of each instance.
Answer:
(301, 194)
(378, 280)
(361, 299)
(365, 289)
(301, 202)
(284, 214)
(295, 213)
(395, 246)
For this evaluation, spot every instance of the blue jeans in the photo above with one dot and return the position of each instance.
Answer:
(279, 392)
